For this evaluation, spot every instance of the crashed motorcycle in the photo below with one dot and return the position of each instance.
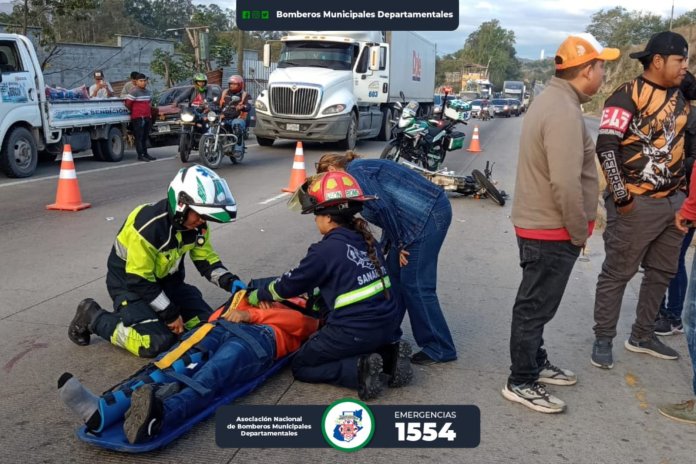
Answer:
(194, 124)
(426, 141)
(221, 139)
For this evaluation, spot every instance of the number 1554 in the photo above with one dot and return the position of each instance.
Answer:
(426, 431)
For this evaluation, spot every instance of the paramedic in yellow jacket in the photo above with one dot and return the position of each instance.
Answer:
(145, 279)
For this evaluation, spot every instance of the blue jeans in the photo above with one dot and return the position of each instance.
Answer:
(689, 319)
(241, 124)
(416, 284)
(546, 267)
(673, 303)
(232, 360)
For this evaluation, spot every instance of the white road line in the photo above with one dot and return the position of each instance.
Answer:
(272, 199)
(82, 173)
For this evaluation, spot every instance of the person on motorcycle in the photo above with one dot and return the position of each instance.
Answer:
(145, 276)
(234, 115)
(200, 94)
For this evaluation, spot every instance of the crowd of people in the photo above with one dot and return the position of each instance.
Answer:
(358, 289)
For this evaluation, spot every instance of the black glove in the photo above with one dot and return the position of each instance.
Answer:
(170, 314)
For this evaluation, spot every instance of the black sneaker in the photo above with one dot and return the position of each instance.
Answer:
(370, 376)
(78, 330)
(534, 396)
(397, 363)
(146, 157)
(665, 327)
(652, 346)
(601, 353)
(143, 420)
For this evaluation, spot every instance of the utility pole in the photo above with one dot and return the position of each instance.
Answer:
(240, 53)
(671, 16)
(194, 37)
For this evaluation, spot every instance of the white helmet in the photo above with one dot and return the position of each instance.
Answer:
(203, 191)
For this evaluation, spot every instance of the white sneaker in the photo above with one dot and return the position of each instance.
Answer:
(553, 375)
(534, 396)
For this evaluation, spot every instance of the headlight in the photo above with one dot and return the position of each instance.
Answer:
(187, 116)
(260, 106)
(334, 109)
(211, 116)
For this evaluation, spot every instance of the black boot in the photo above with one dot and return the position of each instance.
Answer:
(397, 363)
(87, 312)
(370, 376)
(143, 420)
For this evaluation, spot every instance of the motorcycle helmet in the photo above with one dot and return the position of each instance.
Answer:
(236, 82)
(200, 77)
(333, 192)
(202, 190)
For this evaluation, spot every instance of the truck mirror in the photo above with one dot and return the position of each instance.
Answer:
(267, 55)
(374, 58)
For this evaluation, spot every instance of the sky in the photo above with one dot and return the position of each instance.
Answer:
(538, 24)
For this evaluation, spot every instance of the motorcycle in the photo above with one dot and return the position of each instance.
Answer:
(426, 141)
(193, 125)
(221, 139)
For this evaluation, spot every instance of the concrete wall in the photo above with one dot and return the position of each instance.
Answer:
(77, 62)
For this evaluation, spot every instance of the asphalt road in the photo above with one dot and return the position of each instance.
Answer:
(51, 260)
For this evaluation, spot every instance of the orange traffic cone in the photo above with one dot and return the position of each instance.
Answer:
(68, 196)
(475, 146)
(298, 174)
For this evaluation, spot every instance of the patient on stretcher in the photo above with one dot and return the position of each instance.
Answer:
(236, 348)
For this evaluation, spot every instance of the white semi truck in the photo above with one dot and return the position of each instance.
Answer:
(340, 86)
(31, 124)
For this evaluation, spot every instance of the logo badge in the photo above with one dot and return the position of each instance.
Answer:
(348, 425)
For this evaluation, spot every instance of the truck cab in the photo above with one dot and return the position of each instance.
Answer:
(331, 87)
(30, 123)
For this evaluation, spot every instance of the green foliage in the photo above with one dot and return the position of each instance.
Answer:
(688, 18)
(619, 27)
(156, 16)
(172, 68)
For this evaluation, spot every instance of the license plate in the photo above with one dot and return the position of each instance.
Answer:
(292, 127)
(163, 128)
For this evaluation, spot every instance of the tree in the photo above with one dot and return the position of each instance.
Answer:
(491, 43)
(159, 15)
(620, 28)
(173, 69)
(686, 19)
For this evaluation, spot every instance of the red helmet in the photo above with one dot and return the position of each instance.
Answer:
(334, 192)
(237, 81)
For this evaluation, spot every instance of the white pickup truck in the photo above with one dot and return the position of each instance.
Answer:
(31, 124)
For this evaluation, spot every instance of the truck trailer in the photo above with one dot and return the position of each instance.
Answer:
(340, 86)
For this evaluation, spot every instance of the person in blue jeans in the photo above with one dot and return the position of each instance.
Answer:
(414, 215)
(669, 320)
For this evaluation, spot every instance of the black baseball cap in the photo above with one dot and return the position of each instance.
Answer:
(664, 43)
(141, 76)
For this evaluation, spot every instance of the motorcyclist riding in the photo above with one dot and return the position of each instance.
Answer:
(234, 115)
(200, 93)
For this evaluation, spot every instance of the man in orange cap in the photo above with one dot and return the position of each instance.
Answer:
(641, 149)
(554, 209)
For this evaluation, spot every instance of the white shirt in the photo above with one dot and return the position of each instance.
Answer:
(102, 93)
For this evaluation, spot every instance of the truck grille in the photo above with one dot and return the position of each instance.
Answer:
(294, 100)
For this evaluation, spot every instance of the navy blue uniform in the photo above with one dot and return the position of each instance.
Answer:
(361, 318)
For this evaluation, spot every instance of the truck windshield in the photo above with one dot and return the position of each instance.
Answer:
(331, 55)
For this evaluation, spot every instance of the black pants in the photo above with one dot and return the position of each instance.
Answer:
(546, 267)
(141, 130)
(135, 327)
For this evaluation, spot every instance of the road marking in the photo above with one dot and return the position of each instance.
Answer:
(82, 173)
(272, 199)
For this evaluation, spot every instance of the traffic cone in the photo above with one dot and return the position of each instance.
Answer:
(475, 145)
(68, 196)
(298, 174)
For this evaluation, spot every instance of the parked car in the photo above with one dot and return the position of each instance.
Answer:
(476, 107)
(501, 107)
(166, 128)
(515, 106)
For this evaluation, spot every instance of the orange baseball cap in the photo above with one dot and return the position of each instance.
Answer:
(582, 48)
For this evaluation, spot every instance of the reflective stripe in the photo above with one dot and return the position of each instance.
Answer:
(361, 294)
(271, 288)
(121, 250)
(129, 339)
(67, 174)
(191, 323)
(161, 302)
(216, 274)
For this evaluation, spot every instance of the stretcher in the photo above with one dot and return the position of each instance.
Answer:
(113, 438)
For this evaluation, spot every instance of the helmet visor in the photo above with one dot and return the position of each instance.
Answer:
(222, 208)
(300, 201)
